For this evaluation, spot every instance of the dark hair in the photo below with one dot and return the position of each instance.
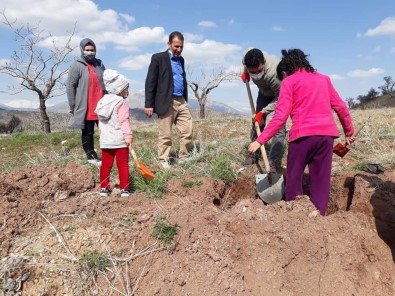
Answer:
(253, 58)
(292, 60)
(177, 35)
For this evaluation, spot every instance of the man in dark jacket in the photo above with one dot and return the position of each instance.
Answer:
(166, 94)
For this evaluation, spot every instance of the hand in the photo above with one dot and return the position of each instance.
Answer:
(71, 112)
(259, 117)
(149, 112)
(129, 141)
(254, 146)
(245, 77)
(350, 140)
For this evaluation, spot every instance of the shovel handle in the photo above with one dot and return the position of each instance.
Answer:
(133, 153)
(359, 130)
(250, 98)
(263, 150)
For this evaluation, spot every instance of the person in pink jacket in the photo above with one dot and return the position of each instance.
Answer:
(308, 97)
(115, 131)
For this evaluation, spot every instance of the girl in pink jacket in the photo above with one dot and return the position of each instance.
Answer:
(308, 97)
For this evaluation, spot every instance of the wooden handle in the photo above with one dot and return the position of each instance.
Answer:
(252, 106)
(357, 132)
(133, 153)
(263, 150)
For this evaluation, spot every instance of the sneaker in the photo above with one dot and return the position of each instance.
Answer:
(96, 162)
(164, 164)
(125, 193)
(104, 192)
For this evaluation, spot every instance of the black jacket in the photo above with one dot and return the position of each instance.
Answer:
(159, 83)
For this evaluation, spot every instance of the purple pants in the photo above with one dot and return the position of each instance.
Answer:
(316, 153)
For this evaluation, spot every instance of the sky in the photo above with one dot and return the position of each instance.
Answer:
(352, 41)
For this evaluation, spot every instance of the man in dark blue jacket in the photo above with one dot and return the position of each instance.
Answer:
(166, 94)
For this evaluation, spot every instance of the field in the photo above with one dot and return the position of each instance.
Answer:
(199, 229)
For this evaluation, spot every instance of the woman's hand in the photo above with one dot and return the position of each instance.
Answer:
(254, 146)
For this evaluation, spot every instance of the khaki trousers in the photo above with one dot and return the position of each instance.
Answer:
(179, 115)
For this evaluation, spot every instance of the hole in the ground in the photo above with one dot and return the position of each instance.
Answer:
(241, 188)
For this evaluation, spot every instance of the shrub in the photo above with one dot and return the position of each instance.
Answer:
(221, 169)
(164, 232)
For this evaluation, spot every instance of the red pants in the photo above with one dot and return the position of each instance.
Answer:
(122, 160)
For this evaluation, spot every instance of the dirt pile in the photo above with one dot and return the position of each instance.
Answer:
(228, 242)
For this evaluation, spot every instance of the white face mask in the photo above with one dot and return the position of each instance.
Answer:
(89, 53)
(257, 76)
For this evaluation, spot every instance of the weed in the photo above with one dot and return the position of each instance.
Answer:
(154, 188)
(70, 227)
(222, 170)
(190, 184)
(94, 261)
(130, 218)
(163, 231)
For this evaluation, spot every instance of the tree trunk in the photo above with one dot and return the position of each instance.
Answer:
(44, 117)
(202, 110)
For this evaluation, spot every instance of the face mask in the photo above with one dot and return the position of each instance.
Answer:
(89, 55)
(257, 76)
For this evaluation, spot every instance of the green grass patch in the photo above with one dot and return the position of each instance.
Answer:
(94, 261)
(164, 231)
(190, 184)
(221, 169)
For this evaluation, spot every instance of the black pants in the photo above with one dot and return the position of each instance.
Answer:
(88, 139)
(277, 143)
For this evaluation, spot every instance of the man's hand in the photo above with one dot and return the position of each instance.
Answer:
(149, 112)
(71, 112)
(245, 77)
(259, 117)
(254, 146)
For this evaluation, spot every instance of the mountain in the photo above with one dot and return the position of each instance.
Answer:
(136, 100)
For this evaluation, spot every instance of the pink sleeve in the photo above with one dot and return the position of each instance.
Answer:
(341, 110)
(123, 116)
(281, 113)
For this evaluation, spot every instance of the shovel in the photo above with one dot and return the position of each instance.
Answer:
(270, 186)
(341, 149)
(143, 170)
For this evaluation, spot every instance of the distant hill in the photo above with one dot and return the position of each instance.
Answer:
(383, 101)
(136, 101)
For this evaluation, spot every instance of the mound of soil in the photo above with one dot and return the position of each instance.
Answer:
(228, 242)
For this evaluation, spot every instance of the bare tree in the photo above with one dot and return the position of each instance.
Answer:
(38, 69)
(204, 84)
(389, 87)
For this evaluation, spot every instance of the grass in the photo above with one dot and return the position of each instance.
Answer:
(94, 261)
(164, 231)
(190, 184)
(221, 169)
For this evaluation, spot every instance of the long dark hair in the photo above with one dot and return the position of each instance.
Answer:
(292, 60)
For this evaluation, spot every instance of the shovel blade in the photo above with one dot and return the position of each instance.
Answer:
(144, 171)
(270, 188)
(340, 149)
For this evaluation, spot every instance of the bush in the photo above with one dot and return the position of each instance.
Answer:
(221, 169)
(13, 125)
(164, 231)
